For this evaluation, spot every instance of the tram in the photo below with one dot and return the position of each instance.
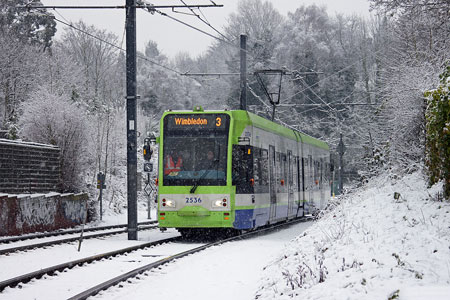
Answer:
(238, 171)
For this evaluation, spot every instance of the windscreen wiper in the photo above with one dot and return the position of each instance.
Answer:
(214, 163)
(198, 181)
(194, 187)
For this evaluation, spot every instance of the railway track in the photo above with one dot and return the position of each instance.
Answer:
(22, 279)
(65, 232)
(136, 272)
(142, 226)
(54, 270)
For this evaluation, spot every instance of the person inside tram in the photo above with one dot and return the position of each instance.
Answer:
(208, 162)
(173, 163)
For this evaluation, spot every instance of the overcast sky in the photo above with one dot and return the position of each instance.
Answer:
(173, 37)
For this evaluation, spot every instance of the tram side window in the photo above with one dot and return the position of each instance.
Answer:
(264, 174)
(239, 168)
(278, 171)
(327, 172)
(293, 176)
(316, 172)
(242, 168)
(299, 168)
(257, 166)
(321, 169)
(310, 172)
(283, 170)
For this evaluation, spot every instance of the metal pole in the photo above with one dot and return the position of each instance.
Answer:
(341, 164)
(243, 53)
(149, 196)
(131, 118)
(101, 201)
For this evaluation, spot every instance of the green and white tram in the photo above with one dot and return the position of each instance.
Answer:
(236, 170)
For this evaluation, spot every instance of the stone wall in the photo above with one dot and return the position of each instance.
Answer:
(21, 214)
(29, 167)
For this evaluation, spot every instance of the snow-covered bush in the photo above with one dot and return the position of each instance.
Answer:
(56, 120)
(438, 132)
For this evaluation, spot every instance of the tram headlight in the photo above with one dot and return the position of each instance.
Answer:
(220, 203)
(169, 203)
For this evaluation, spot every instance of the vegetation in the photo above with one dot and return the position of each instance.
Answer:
(438, 132)
(383, 64)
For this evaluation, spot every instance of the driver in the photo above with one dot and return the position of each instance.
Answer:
(171, 166)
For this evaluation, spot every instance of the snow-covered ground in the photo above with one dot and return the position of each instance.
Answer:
(369, 246)
(228, 271)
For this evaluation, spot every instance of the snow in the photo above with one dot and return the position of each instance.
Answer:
(27, 144)
(367, 245)
(228, 271)
(71, 282)
(44, 257)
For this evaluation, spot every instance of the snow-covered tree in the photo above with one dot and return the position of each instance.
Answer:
(102, 88)
(34, 26)
(20, 73)
(57, 120)
(419, 43)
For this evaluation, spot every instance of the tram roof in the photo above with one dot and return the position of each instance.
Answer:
(268, 125)
(247, 118)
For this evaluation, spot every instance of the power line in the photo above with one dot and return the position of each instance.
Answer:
(151, 9)
(195, 28)
(331, 75)
(204, 21)
(209, 74)
(146, 6)
(320, 98)
(117, 47)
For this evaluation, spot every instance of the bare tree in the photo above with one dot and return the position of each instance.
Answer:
(102, 90)
(419, 37)
(55, 119)
(19, 75)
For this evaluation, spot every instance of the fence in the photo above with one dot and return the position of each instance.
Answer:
(29, 167)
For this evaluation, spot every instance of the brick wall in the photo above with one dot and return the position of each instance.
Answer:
(29, 167)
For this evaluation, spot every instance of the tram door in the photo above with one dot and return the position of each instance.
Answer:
(290, 182)
(272, 184)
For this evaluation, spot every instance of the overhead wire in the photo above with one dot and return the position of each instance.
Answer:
(153, 10)
(312, 91)
(204, 21)
(328, 77)
(248, 52)
(61, 16)
(193, 27)
(224, 41)
(117, 47)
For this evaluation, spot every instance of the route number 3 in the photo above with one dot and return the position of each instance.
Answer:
(218, 121)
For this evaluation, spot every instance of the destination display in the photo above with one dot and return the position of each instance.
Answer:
(196, 121)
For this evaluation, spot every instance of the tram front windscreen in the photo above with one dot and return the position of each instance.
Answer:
(195, 149)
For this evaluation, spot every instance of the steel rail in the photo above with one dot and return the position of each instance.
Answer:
(68, 240)
(116, 280)
(51, 270)
(71, 231)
